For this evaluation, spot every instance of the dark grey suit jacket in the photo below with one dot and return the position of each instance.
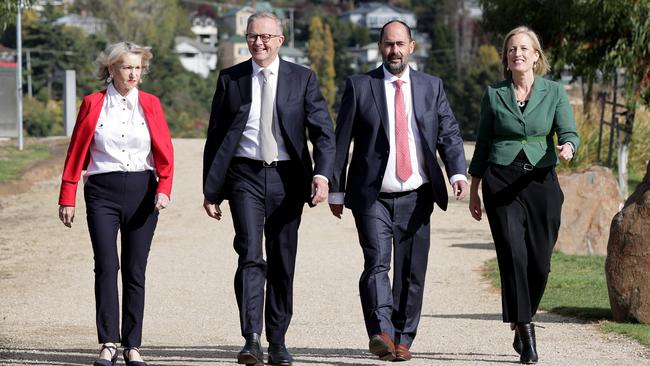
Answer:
(363, 117)
(301, 109)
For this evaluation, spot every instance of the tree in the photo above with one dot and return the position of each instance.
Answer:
(321, 54)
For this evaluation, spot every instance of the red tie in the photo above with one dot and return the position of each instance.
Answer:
(403, 157)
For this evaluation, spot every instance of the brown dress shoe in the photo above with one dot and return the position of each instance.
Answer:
(402, 352)
(382, 345)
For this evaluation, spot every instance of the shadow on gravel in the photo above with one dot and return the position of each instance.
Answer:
(539, 319)
(194, 356)
(486, 246)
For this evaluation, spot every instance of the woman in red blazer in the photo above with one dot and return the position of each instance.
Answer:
(122, 141)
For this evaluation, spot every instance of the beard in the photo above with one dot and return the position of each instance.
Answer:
(395, 68)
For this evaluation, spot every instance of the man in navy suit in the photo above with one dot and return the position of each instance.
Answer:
(398, 118)
(256, 157)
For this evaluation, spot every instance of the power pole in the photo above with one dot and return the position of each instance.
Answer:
(19, 75)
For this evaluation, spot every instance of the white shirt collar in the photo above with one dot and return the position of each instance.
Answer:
(390, 78)
(274, 66)
(114, 97)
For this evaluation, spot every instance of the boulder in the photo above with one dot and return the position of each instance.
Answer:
(628, 257)
(591, 199)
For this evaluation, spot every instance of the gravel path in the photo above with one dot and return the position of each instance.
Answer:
(47, 305)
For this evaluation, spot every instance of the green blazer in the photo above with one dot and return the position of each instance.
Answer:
(504, 131)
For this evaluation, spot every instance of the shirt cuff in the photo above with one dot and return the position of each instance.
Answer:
(322, 176)
(456, 177)
(336, 198)
(573, 148)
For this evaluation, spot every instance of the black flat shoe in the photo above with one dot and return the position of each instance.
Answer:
(127, 359)
(278, 355)
(113, 351)
(526, 333)
(252, 353)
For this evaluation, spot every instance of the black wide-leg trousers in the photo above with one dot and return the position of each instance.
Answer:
(397, 224)
(124, 202)
(265, 203)
(523, 209)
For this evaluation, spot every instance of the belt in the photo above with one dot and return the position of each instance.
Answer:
(260, 163)
(402, 193)
(525, 166)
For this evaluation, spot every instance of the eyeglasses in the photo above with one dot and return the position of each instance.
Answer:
(252, 37)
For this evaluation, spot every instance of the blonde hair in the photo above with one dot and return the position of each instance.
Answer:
(540, 67)
(115, 51)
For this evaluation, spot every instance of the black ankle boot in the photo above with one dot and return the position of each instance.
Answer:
(526, 332)
(516, 343)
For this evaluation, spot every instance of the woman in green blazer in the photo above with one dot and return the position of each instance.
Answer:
(515, 156)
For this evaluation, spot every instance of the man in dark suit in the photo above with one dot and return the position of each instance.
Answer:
(256, 157)
(398, 118)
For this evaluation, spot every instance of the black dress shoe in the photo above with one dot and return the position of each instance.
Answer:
(252, 353)
(516, 343)
(278, 355)
(112, 361)
(526, 333)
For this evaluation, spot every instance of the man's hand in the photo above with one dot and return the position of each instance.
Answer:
(337, 210)
(66, 215)
(212, 209)
(161, 201)
(460, 189)
(319, 189)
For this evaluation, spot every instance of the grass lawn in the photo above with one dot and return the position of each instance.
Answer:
(577, 287)
(14, 162)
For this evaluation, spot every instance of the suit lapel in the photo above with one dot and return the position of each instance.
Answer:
(245, 83)
(379, 95)
(419, 93)
(285, 80)
(536, 96)
(507, 95)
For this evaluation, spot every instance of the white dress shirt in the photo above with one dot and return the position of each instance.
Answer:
(249, 143)
(121, 142)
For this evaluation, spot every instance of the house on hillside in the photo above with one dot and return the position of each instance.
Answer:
(233, 50)
(196, 56)
(374, 15)
(87, 24)
(205, 27)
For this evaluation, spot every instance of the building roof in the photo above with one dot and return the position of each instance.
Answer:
(366, 8)
(78, 19)
(291, 52)
(200, 46)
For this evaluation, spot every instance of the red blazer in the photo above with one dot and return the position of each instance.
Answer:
(84, 130)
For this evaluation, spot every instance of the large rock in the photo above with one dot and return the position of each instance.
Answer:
(628, 257)
(591, 198)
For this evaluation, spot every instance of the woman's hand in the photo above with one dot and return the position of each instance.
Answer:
(161, 201)
(565, 151)
(475, 200)
(66, 215)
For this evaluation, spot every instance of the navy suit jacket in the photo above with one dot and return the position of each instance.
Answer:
(301, 109)
(363, 117)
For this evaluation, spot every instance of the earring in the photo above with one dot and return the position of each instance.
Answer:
(109, 79)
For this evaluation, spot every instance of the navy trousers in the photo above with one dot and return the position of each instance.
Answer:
(124, 202)
(398, 222)
(523, 209)
(265, 202)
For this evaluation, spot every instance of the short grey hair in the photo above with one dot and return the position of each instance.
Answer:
(115, 51)
(265, 14)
